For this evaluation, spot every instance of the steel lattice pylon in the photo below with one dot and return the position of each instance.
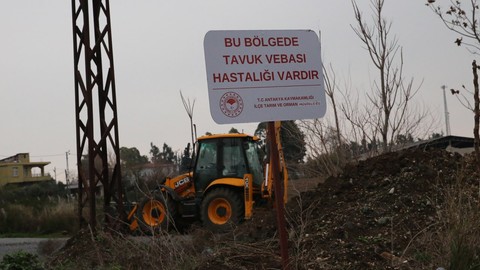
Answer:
(98, 161)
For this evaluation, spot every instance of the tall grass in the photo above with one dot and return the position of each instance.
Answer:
(41, 208)
(461, 221)
(47, 217)
(454, 241)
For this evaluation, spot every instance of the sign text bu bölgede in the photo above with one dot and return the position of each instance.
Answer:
(257, 76)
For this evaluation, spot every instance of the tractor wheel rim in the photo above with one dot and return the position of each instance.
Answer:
(153, 213)
(219, 211)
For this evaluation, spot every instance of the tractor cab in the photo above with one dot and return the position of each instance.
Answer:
(226, 156)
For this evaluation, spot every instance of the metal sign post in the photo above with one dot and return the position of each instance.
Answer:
(278, 189)
(265, 76)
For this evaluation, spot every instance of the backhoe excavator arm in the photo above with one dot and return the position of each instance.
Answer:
(267, 186)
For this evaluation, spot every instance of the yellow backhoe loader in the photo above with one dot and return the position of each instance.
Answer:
(226, 180)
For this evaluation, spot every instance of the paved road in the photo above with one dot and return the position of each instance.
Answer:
(12, 245)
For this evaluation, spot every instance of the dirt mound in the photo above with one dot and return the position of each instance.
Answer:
(373, 216)
(379, 214)
(376, 214)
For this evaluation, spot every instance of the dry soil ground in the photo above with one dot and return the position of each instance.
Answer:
(388, 212)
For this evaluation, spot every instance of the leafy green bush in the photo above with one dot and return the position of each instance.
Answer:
(21, 261)
(36, 195)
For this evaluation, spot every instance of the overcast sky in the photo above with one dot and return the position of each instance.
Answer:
(158, 51)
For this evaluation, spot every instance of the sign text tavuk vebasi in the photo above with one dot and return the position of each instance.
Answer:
(259, 76)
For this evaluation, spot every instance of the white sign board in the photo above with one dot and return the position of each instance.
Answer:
(259, 76)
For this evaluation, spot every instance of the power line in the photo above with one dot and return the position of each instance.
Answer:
(51, 155)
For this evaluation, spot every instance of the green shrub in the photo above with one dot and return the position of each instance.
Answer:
(35, 195)
(21, 261)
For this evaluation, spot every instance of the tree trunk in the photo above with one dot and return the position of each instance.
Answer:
(476, 112)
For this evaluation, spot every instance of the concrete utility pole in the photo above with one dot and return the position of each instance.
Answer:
(447, 117)
(67, 171)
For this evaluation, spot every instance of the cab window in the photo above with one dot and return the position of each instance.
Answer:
(234, 164)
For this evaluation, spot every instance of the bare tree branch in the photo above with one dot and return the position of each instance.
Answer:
(390, 95)
(189, 106)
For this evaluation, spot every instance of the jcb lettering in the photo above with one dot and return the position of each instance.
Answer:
(182, 182)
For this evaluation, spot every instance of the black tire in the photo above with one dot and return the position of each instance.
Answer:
(221, 209)
(156, 214)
